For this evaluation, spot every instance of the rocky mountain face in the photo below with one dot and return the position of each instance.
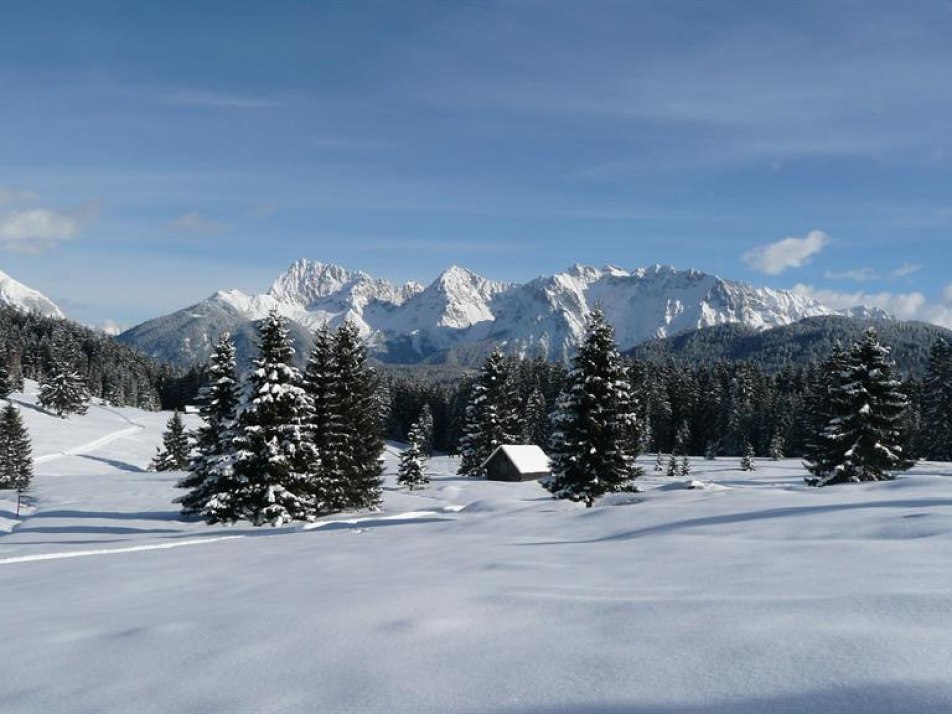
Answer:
(16, 294)
(460, 316)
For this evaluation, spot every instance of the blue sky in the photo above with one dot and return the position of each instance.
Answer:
(153, 153)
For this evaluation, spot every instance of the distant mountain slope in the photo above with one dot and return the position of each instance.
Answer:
(15, 294)
(459, 317)
(806, 341)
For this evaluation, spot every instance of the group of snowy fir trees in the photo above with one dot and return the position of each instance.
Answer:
(282, 444)
(594, 428)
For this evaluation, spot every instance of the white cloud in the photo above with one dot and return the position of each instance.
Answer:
(904, 306)
(32, 230)
(10, 196)
(905, 270)
(859, 275)
(777, 257)
(197, 222)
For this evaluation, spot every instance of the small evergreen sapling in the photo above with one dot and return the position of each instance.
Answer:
(413, 460)
(16, 460)
(685, 467)
(659, 462)
(174, 454)
(747, 460)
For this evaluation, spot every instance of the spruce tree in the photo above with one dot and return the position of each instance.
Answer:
(492, 417)
(710, 452)
(273, 459)
(592, 449)
(360, 412)
(211, 479)
(823, 453)
(6, 383)
(937, 403)
(536, 422)
(16, 460)
(322, 382)
(863, 439)
(174, 453)
(747, 460)
(776, 447)
(427, 426)
(685, 467)
(659, 462)
(412, 471)
(62, 390)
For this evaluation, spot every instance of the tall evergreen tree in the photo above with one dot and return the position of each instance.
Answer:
(273, 458)
(361, 420)
(322, 382)
(427, 427)
(62, 390)
(16, 460)
(862, 439)
(592, 449)
(174, 454)
(536, 421)
(412, 471)
(747, 460)
(210, 468)
(937, 403)
(492, 417)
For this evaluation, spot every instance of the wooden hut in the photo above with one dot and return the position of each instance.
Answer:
(516, 462)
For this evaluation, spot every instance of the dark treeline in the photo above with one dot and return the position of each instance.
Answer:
(714, 409)
(33, 346)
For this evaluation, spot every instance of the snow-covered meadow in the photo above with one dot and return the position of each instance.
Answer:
(752, 594)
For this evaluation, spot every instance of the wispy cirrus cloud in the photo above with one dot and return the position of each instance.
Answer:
(775, 258)
(32, 230)
(867, 274)
(218, 100)
(197, 222)
(11, 196)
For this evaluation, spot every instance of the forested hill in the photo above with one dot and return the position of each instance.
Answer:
(803, 342)
(30, 343)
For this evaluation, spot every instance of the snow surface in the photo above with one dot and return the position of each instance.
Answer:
(747, 593)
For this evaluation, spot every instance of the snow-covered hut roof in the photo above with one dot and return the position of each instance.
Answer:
(527, 458)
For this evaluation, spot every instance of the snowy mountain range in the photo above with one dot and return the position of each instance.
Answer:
(15, 294)
(460, 316)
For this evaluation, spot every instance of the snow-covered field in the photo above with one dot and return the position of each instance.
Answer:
(755, 594)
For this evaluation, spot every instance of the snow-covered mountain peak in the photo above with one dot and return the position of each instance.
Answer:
(16, 294)
(461, 314)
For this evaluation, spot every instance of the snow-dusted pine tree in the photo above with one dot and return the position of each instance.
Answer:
(174, 454)
(685, 469)
(710, 451)
(659, 462)
(822, 453)
(863, 438)
(413, 460)
(360, 412)
(326, 430)
(747, 459)
(210, 477)
(776, 446)
(673, 470)
(273, 459)
(6, 383)
(536, 423)
(16, 460)
(427, 426)
(592, 449)
(937, 403)
(492, 417)
(62, 390)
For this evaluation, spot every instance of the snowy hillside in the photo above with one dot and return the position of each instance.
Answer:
(16, 294)
(460, 314)
(751, 594)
